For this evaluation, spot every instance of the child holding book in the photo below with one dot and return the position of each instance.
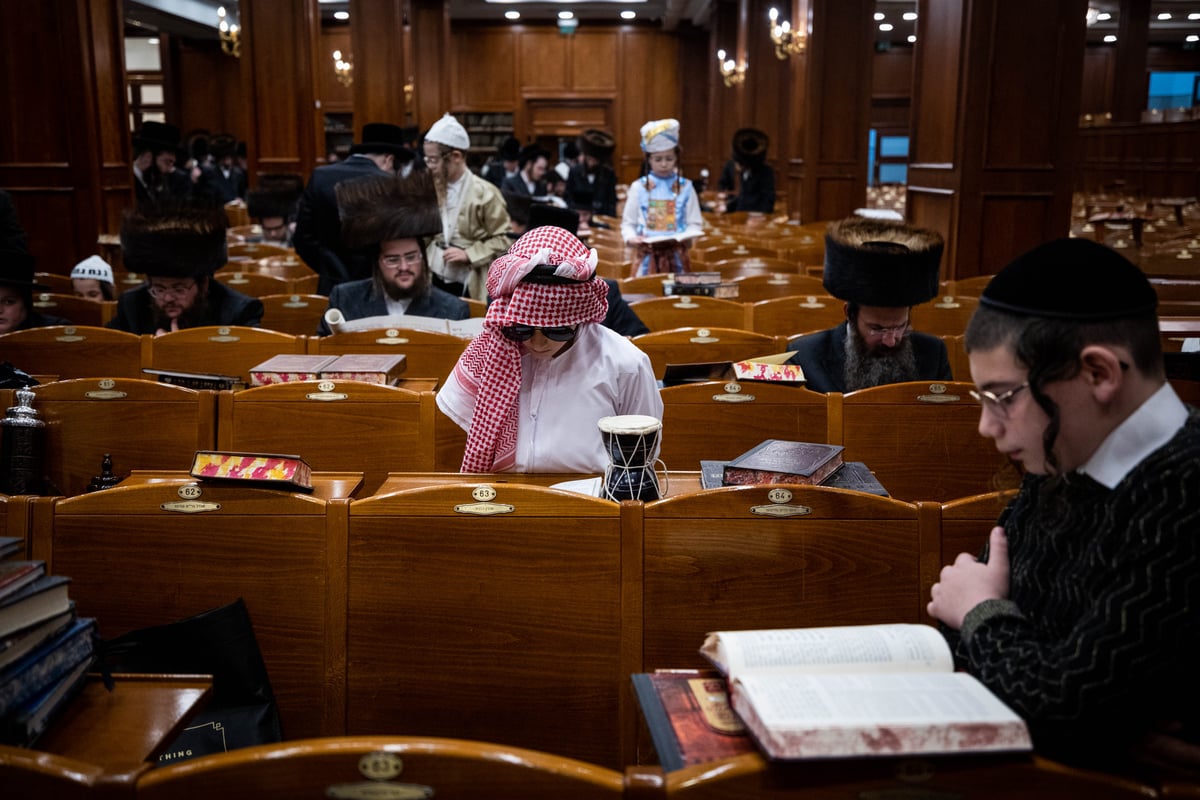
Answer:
(1084, 613)
(662, 212)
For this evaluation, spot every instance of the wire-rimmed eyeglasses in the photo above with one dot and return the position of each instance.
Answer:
(998, 404)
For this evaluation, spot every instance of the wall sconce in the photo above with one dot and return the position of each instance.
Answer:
(343, 69)
(787, 42)
(230, 33)
(731, 72)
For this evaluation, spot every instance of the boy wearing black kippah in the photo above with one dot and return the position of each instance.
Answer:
(1084, 612)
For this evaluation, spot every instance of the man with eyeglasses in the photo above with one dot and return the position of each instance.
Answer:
(392, 219)
(318, 235)
(178, 251)
(880, 270)
(532, 387)
(1083, 612)
(474, 215)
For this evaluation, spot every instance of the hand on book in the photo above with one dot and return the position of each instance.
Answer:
(968, 582)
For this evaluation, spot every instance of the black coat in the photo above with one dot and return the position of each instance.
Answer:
(318, 236)
(135, 309)
(621, 318)
(823, 358)
(358, 300)
(604, 189)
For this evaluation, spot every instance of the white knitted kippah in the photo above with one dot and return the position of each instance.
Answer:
(450, 132)
(93, 268)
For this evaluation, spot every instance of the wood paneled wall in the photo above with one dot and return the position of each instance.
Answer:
(65, 147)
(995, 118)
(207, 87)
(1154, 160)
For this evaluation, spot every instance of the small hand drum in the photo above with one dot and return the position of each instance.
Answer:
(631, 441)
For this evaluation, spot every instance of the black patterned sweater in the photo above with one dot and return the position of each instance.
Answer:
(1099, 639)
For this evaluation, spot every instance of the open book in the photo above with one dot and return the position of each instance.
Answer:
(466, 328)
(870, 690)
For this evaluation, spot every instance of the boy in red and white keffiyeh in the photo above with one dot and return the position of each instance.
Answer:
(526, 389)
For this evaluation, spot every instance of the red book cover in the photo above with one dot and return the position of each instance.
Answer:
(689, 717)
(288, 368)
(779, 461)
(378, 368)
(268, 470)
(15, 574)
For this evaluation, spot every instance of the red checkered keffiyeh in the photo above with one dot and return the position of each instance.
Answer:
(490, 368)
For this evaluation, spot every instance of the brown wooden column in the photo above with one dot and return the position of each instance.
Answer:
(377, 38)
(65, 145)
(431, 58)
(279, 78)
(995, 107)
(1129, 69)
(831, 102)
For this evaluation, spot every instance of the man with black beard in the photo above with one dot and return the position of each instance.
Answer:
(178, 250)
(392, 220)
(881, 270)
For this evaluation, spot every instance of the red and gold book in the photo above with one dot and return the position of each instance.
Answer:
(269, 470)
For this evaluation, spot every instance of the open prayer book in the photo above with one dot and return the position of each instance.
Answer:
(870, 690)
(466, 328)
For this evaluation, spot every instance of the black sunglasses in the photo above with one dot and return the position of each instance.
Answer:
(523, 333)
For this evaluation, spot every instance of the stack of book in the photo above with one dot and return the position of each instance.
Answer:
(45, 650)
(708, 284)
(779, 461)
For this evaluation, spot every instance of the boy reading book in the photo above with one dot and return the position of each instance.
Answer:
(870, 690)
(1084, 613)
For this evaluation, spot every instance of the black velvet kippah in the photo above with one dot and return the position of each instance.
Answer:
(1071, 279)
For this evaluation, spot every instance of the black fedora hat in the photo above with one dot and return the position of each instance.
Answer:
(597, 143)
(383, 137)
(157, 136)
(16, 270)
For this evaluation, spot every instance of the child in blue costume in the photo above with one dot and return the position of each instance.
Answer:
(662, 212)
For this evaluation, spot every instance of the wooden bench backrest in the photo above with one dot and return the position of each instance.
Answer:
(29, 773)
(512, 620)
(297, 314)
(944, 316)
(996, 777)
(920, 439)
(142, 424)
(75, 351)
(134, 562)
(667, 313)
(351, 426)
(967, 521)
(700, 345)
(427, 355)
(452, 768)
(708, 421)
(752, 288)
(255, 284)
(224, 349)
(79, 310)
(725, 559)
(784, 316)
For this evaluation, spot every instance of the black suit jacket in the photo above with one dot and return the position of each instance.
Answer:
(822, 356)
(226, 306)
(621, 318)
(318, 236)
(604, 189)
(358, 299)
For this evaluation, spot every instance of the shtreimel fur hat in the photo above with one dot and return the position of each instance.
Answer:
(380, 209)
(275, 195)
(877, 263)
(181, 242)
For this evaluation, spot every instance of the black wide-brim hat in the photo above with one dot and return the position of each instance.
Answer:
(876, 263)
(510, 150)
(383, 137)
(222, 145)
(181, 242)
(380, 209)
(17, 270)
(275, 195)
(750, 146)
(597, 143)
(157, 136)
